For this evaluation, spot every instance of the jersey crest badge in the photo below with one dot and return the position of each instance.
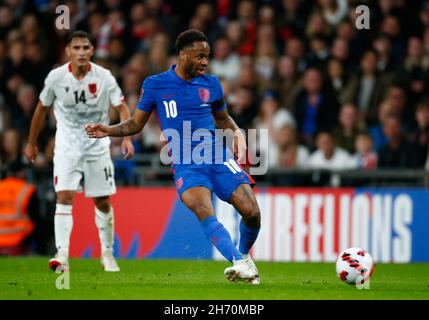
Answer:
(204, 94)
(93, 89)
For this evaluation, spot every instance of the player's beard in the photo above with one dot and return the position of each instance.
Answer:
(191, 69)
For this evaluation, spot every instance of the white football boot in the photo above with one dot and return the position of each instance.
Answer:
(109, 262)
(61, 260)
(240, 271)
(252, 265)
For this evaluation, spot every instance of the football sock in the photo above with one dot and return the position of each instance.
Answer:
(63, 224)
(248, 237)
(220, 238)
(105, 225)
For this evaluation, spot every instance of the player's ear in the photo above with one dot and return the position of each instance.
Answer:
(182, 55)
(91, 51)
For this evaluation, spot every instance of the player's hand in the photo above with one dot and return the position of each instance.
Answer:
(127, 149)
(240, 147)
(96, 130)
(31, 151)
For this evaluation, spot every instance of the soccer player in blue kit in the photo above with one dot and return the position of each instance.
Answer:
(186, 96)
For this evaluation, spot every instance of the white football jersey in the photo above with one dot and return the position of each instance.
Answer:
(78, 102)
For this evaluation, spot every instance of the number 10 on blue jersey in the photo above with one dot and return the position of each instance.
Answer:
(170, 109)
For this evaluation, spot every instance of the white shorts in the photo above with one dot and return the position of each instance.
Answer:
(98, 175)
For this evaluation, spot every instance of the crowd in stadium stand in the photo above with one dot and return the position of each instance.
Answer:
(332, 96)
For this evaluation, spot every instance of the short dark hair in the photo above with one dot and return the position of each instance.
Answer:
(78, 34)
(188, 37)
(325, 132)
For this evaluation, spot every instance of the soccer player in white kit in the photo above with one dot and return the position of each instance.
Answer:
(80, 92)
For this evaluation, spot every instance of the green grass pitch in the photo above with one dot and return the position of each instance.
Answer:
(30, 278)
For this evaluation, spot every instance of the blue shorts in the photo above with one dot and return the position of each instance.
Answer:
(223, 179)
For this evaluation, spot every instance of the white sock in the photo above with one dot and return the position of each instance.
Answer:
(63, 226)
(105, 225)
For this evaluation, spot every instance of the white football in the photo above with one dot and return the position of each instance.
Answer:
(355, 266)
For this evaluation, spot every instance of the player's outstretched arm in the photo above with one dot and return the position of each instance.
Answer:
(31, 150)
(127, 145)
(128, 127)
(224, 121)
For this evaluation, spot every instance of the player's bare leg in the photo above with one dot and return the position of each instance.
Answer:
(104, 221)
(245, 203)
(199, 200)
(63, 222)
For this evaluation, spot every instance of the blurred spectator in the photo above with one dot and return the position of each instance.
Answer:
(242, 106)
(11, 147)
(424, 14)
(271, 117)
(30, 30)
(415, 56)
(158, 57)
(22, 113)
(398, 152)
(117, 52)
(288, 153)
(426, 41)
(206, 13)
(348, 128)
(319, 51)
(387, 62)
(225, 63)
(37, 63)
(337, 77)
(328, 156)
(391, 27)
(6, 20)
(288, 81)
(292, 18)
(266, 16)
(340, 51)
(376, 131)
(317, 25)
(246, 15)
(235, 33)
(265, 55)
(415, 70)
(365, 157)
(294, 48)
(419, 135)
(248, 77)
(366, 88)
(162, 13)
(4, 115)
(314, 108)
(16, 70)
(113, 27)
(348, 32)
(396, 95)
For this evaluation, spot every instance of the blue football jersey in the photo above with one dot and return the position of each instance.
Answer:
(184, 110)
